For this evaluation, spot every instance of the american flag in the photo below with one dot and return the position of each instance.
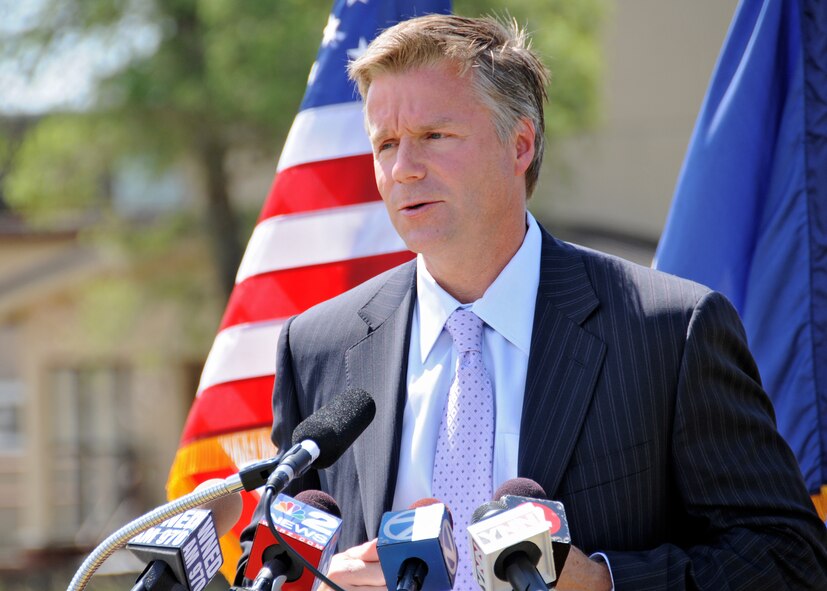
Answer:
(323, 229)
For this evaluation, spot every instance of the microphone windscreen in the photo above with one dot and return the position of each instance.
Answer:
(520, 487)
(226, 511)
(321, 501)
(336, 425)
(425, 502)
(428, 501)
(486, 510)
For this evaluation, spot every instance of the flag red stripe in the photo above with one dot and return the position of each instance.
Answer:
(233, 406)
(284, 293)
(320, 185)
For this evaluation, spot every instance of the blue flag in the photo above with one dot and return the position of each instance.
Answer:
(749, 216)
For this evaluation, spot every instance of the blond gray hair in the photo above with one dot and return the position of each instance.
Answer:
(507, 75)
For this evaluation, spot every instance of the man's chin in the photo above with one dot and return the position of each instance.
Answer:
(424, 244)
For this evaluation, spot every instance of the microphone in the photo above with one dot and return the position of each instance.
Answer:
(249, 478)
(182, 552)
(321, 439)
(185, 547)
(416, 547)
(511, 548)
(520, 487)
(226, 511)
(310, 523)
(555, 514)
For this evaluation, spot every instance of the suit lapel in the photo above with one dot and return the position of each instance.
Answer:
(563, 366)
(378, 364)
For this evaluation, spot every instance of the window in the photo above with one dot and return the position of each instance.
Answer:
(11, 392)
(11, 416)
(94, 467)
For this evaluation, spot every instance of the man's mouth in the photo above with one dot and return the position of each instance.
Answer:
(416, 206)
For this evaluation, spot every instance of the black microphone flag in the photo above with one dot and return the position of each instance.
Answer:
(188, 543)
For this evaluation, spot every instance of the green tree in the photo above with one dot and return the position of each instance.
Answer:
(567, 35)
(195, 80)
(223, 75)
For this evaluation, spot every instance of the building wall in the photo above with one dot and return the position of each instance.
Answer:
(100, 418)
(659, 56)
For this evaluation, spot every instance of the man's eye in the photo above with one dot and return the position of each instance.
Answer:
(435, 135)
(384, 146)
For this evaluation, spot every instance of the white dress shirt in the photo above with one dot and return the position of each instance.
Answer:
(507, 308)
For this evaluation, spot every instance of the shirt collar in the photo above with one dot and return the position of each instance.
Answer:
(507, 306)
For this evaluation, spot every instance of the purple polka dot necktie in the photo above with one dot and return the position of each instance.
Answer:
(464, 458)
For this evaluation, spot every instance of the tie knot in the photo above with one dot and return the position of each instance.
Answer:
(465, 329)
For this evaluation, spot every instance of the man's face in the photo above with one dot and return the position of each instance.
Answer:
(451, 187)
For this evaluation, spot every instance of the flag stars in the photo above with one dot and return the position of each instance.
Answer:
(358, 51)
(331, 34)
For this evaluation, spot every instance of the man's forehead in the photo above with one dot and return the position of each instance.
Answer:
(426, 94)
(439, 73)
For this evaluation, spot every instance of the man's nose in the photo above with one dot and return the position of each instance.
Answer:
(409, 164)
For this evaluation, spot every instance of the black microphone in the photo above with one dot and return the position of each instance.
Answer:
(416, 547)
(158, 576)
(310, 523)
(323, 437)
(518, 491)
(183, 552)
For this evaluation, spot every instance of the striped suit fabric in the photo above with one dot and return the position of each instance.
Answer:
(643, 413)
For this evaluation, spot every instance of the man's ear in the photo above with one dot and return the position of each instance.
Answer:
(524, 134)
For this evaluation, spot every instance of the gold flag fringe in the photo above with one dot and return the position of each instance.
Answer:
(202, 459)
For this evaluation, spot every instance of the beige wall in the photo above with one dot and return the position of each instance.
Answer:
(47, 330)
(659, 57)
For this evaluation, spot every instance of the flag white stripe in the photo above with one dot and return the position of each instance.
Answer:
(325, 133)
(317, 237)
(241, 352)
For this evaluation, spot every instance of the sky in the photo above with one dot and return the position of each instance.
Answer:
(63, 77)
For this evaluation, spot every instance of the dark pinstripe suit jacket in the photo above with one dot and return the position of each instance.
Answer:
(643, 413)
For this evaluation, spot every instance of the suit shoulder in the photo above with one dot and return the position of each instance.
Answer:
(611, 274)
(642, 294)
(346, 306)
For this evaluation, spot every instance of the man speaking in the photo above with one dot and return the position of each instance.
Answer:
(627, 394)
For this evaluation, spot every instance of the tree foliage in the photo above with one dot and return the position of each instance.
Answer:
(567, 35)
(192, 81)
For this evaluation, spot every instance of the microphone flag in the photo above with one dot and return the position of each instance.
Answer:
(424, 533)
(521, 527)
(558, 524)
(188, 543)
(322, 230)
(311, 532)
